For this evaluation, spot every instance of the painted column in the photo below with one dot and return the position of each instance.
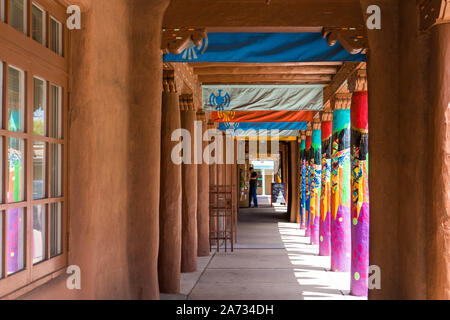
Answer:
(360, 185)
(203, 200)
(293, 180)
(340, 186)
(316, 177)
(303, 181)
(169, 260)
(325, 199)
(189, 242)
(307, 182)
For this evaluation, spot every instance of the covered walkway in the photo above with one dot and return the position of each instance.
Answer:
(272, 261)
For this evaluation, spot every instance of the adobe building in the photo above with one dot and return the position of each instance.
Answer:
(88, 118)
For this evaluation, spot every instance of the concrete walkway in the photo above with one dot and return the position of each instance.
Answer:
(272, 261)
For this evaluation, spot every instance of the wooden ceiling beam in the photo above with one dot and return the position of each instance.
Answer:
(198, 65)
(260, 13)
(290, 82)
(267, 77)
(267, 70)
(339, 79)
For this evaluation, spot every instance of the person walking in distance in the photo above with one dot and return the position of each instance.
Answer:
(253, 188)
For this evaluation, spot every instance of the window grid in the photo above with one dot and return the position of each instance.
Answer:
(20, 14)
(21, 210)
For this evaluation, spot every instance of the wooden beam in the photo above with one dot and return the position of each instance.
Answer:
(259, 13)
(273, 83)
(317, 70)
(339, 79)
(226, 78)
(198, 65)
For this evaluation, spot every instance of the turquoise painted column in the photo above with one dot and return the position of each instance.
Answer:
(316, 177)
(308, 184)
(303, 182)
(341, 245)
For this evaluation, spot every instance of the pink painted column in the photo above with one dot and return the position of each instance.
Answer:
(325, 199)
(360, 186)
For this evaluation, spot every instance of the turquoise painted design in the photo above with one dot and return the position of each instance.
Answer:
(341, 120)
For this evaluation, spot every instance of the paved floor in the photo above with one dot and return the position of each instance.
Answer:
(272, 261)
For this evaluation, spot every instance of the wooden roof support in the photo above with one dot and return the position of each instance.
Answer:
(274, 78)
(339, 79)
(314, 70)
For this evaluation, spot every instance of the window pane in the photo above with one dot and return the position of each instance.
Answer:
(1, 93)
(55, 170)
(16, 243)
(18, 15)
(39, 170)
(56, 112)
(55, 36)
(55, 229)
(16, 170)
(38, 32)
(1, 244)
(16, 98)
(2, 18)
(40, 107)
(39, 243)
(1, 171)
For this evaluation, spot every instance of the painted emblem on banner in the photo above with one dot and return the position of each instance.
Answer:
(222, 103)
(192, 51)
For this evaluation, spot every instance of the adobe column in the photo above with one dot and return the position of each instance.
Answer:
(439, 231)
(144, 145)
(360, 184)
(325, 198)
(293, 179)
(308, 181)
(189, 244)
(169, 261)
(316, 178)
(303, 182)
(203, 198)
(341, 245)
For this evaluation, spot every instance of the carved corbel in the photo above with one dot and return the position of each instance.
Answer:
(176, 41)
(303, 134)
(327, 116)
(317, 124)
(201, 116)
(353, 40)
(433, 12)
(341, 101)
(309, 130)
(187, 102)
(357, 81)
(169, 81)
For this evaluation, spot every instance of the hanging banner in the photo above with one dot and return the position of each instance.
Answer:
(272, 134)
(264, 126)
(262, 97)
(264, 47)
(262, 116)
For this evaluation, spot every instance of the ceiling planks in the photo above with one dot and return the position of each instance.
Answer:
(260, 13)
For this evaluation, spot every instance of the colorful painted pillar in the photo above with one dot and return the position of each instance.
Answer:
(360, 186)
(307, 183)
(316, 178)
(325, 199)
(341, 185)
(303, 181)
